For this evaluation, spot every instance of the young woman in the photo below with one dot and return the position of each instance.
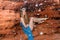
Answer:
(27, 25)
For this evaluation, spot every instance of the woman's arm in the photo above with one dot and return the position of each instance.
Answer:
(22, 16)
(22, 20)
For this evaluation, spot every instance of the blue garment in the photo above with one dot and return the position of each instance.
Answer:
(28, 32)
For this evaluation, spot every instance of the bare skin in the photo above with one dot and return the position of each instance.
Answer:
(32, 20)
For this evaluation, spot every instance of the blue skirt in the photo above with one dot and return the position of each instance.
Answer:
(27, 31)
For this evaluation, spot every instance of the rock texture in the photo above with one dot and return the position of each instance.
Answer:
(10, 28)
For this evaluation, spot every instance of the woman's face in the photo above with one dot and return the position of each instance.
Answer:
(23, 11)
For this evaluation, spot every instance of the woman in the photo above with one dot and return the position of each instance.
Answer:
(28, 27)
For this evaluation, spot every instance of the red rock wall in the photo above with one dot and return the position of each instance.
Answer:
(10, 18)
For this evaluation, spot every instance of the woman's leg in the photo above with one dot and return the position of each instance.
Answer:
(27, 31)
(31, 23)
(29, 34)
